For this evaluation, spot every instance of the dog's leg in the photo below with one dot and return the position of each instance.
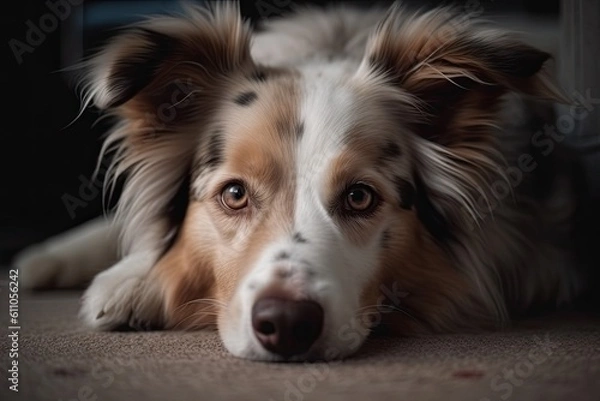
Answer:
(118, 296)
(71, 259)
(123, 296)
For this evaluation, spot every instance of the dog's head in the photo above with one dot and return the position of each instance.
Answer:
(297, 207)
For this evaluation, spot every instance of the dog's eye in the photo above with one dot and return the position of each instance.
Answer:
(234, 196)
(360, 198)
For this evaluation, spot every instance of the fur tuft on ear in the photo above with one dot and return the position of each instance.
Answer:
(442, 44)
(128, 65)
(450, 62)
(203, 44)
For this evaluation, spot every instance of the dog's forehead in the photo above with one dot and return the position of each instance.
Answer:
(295, 124)
(311, 110)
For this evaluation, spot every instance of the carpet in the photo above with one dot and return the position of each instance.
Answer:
(549, 358)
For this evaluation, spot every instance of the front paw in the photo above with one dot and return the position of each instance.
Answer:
(118, 301)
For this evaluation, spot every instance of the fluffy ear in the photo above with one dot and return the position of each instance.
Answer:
(456, 70)
(456, 73)
(163, 79)
(205, 44)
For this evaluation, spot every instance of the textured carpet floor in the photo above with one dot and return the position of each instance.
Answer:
(545, 359)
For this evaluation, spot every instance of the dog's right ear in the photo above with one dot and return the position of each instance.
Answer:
(198, 49)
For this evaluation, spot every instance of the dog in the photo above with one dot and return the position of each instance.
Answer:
(340, 170)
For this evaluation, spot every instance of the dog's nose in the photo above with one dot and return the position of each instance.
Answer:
(287, 327)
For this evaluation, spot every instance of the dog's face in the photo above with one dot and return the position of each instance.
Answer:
(315, 199)
(309, 180)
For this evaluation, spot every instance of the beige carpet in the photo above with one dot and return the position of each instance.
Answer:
(545, 359)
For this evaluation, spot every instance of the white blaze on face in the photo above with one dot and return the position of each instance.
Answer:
(322, 264)
(330, 110)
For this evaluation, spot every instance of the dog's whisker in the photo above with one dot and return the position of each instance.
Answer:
(197, 320)
(210, 302)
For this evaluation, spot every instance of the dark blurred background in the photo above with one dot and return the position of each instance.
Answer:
(47, 154)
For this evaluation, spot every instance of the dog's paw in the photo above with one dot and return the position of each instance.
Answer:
(121, 298)
(109, 301)
(42, 268)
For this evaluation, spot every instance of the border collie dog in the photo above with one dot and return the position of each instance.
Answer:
(338, 171)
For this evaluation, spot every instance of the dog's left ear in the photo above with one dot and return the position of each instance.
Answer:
(448, 75)
(456, 70)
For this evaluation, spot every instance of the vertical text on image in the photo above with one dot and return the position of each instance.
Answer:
(13, 330)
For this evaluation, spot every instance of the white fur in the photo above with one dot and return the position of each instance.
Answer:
(120, 295)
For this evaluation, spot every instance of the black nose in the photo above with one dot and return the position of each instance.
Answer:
(287, 327)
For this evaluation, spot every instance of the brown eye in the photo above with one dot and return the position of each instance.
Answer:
(234, 196)
(360, 198)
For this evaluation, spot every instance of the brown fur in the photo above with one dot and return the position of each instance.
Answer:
(259, 146)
